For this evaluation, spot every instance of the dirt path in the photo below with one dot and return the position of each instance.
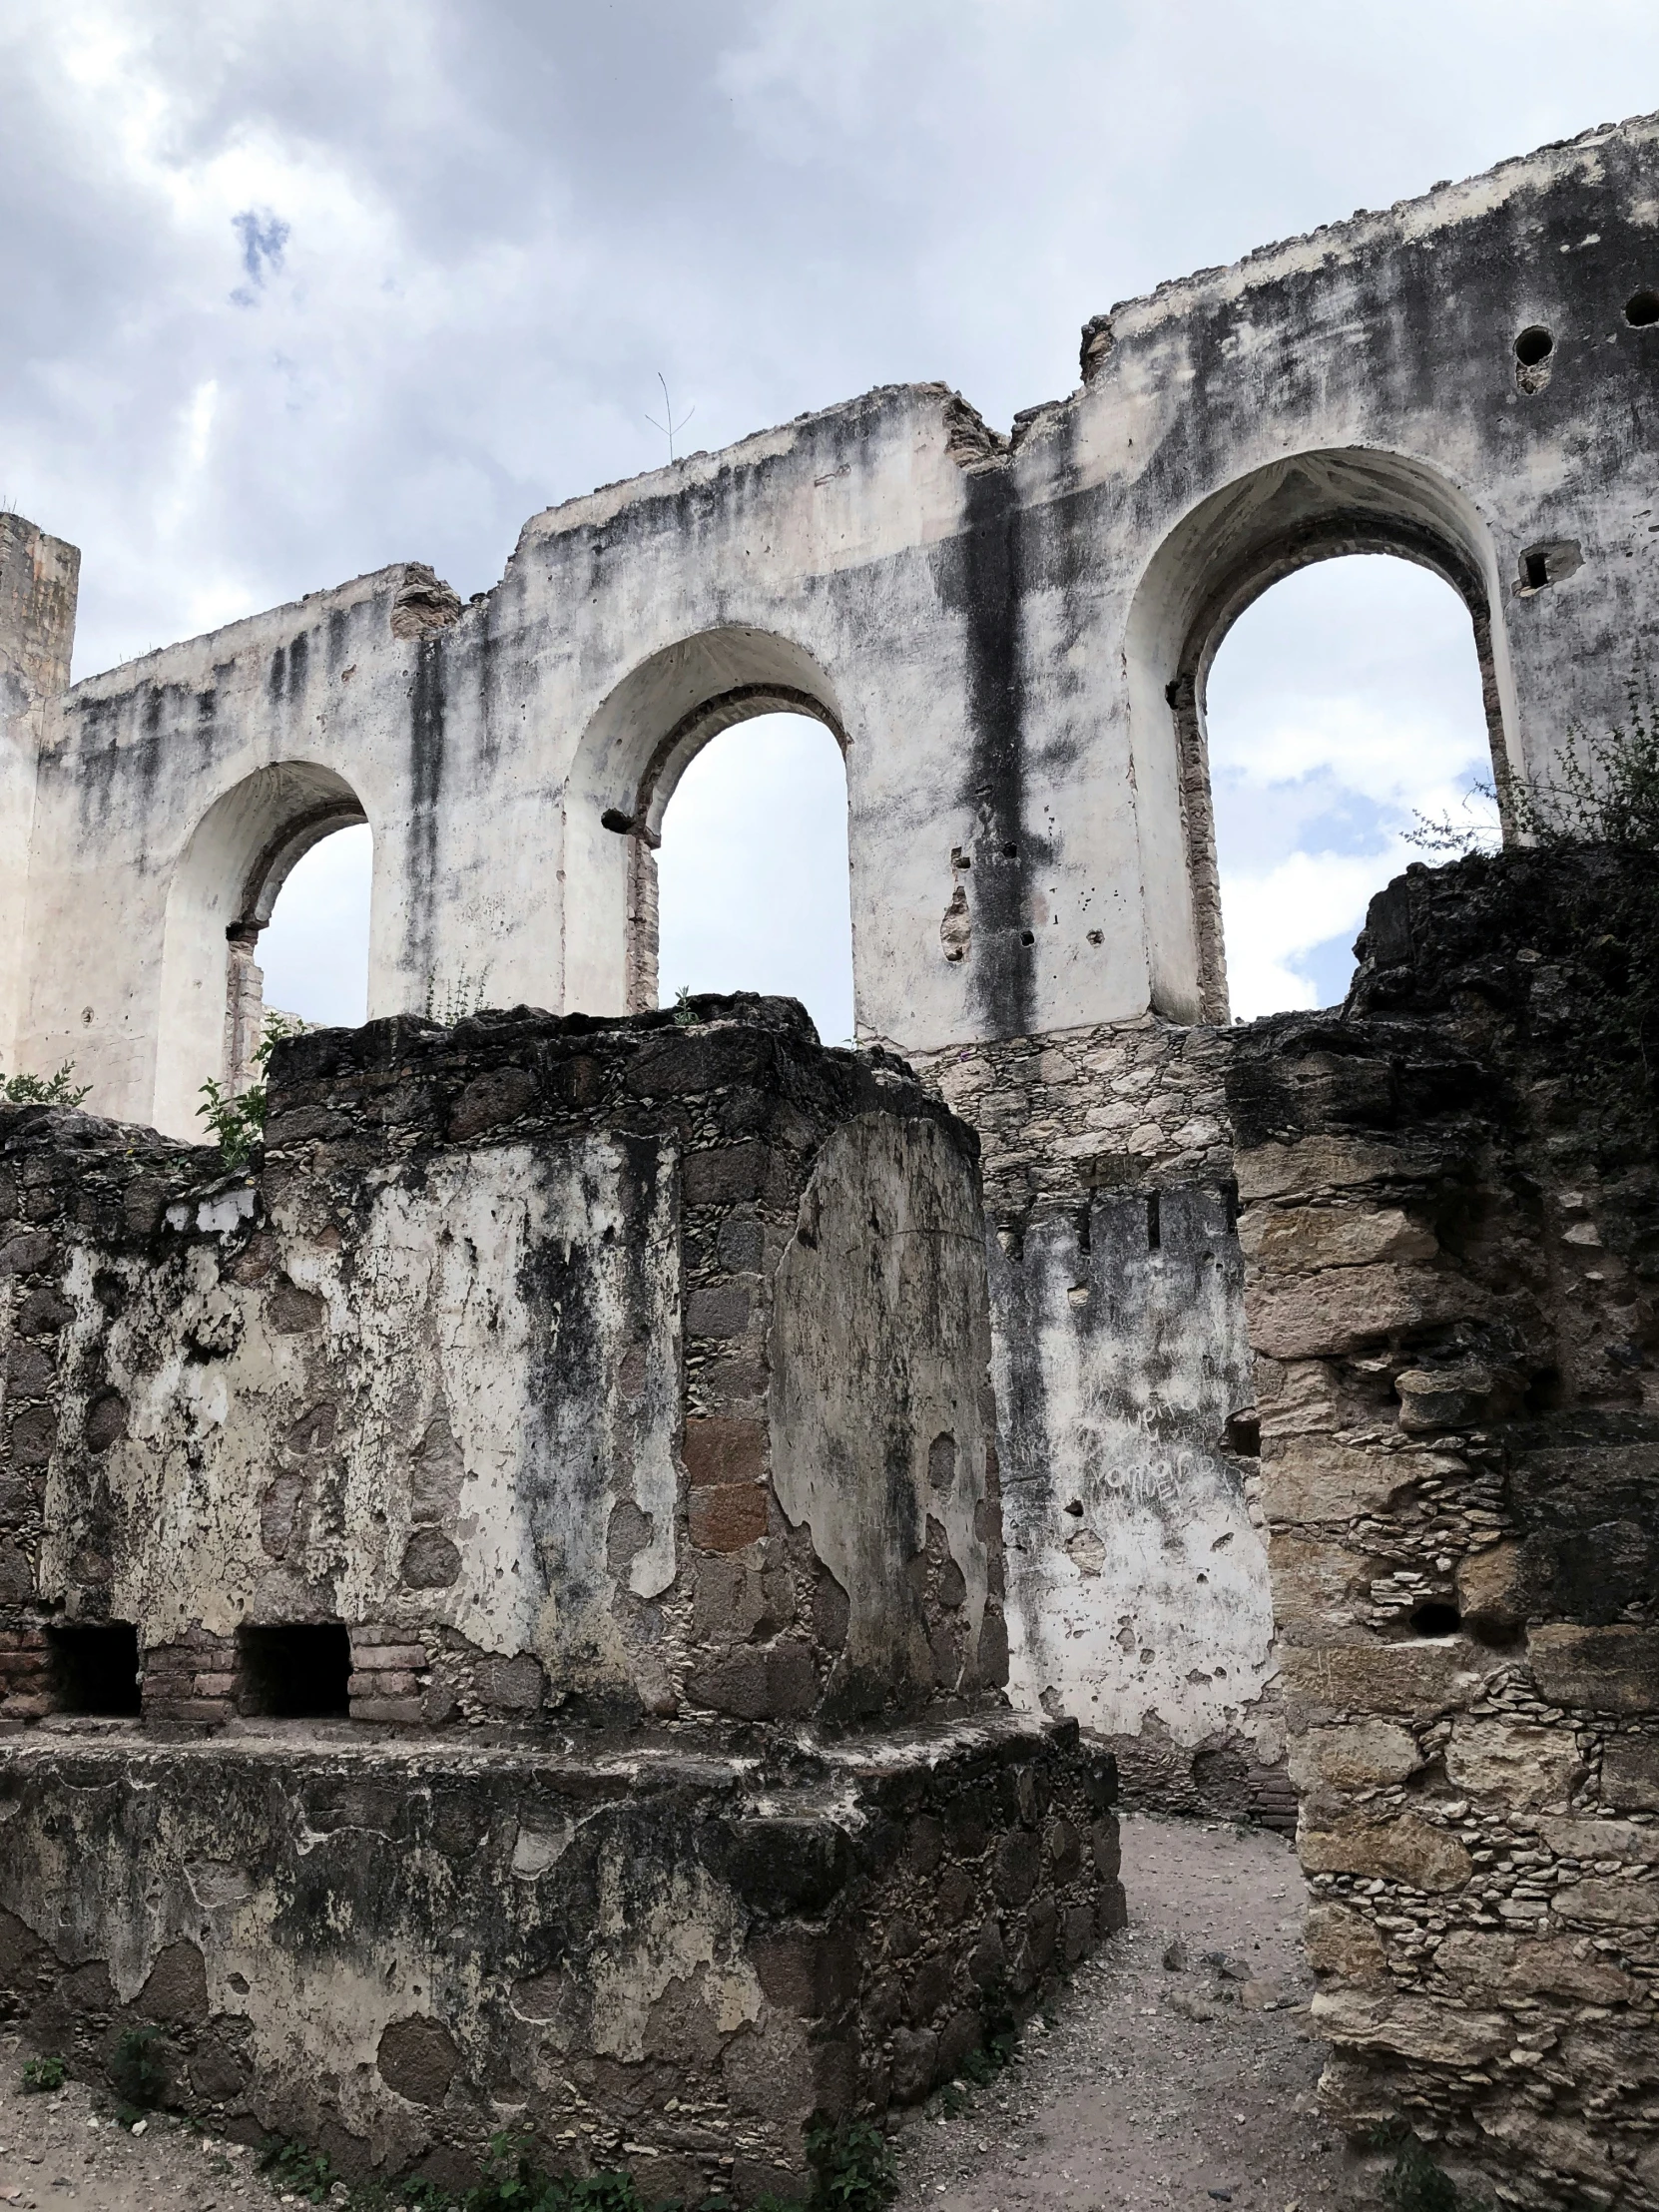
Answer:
(1155, 2085)
(1158, 2085)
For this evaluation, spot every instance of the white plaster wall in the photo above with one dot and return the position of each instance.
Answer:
(970, 613)
(1138, 1586)
(17, 807)
(426, 1320)
(881, 1345)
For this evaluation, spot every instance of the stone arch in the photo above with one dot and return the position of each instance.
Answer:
(236, 860)
(639, 744)
(1216, 562)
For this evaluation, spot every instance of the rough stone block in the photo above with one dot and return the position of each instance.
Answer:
(1404, 1849)
(1506, 1966)
(1304, 1239)
(497, 1095)
(1631, 1772)
(1412, 2027)
(718, 1449)
(1493, 1585)
(1314, 1582)
(1415, 1681)
(727, 1175)
(1342, 1942)
(1313, 1165)
(1312, 1479)
(1364, 1756)
(1521, 1764)
(719, 1309)
(1348, 1309)
(726, 1516)
(1602, 1670)
(1612, 1903)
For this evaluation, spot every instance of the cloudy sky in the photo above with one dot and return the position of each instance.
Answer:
(295, 290)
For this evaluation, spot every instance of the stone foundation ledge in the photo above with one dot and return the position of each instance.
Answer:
(649, 1954)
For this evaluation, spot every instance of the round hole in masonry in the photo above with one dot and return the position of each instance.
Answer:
(1641, 308)
(1535, 345)
(1010, 851)
(1027, 937)
(1437, 1618)
(1075, 1509)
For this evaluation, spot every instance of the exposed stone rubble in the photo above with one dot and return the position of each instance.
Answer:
(1451, 1200)
(552, 1502)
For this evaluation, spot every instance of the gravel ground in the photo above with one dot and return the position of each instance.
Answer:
(1183, 2083)
(1178, 2069)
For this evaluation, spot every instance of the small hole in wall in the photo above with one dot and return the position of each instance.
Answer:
(1027, 937)
(1535, 569)
(299, 1671)
(1243, 1434)
(1437, 1618)
(1075, 1509)
(97, 1667)
(1534, 344)
(1154, 1223)
(1010, 851)
(1097, 936)
(1641, 308)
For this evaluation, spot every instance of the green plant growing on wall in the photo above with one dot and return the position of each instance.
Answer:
(44, 2073)
(296, 2171)
(1605, 792)
(43, 1091)
(853, 2166)
(454, 1002)
(138, 2069)
(237, 1122)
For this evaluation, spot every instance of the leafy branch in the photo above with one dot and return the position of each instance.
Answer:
(48, 1090)
(1605, 791)
(235, 1120)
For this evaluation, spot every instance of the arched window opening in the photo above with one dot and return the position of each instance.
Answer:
(314, 952)
(1341, 705)
(245, 852)
(751, 878)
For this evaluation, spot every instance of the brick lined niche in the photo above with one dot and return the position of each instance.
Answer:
(296, 1671)
(94, 1668)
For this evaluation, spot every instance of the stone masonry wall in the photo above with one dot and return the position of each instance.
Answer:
(633, 1521)
(1451, 1199)
(653, 1960)
(502, 1611)
(1138, 1584)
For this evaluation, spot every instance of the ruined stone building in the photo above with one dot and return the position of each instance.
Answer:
(616, 1518)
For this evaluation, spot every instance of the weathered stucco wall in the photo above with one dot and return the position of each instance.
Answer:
(608, 1404)
(656, 1958)
(1452, 1221)
(525, 1354)
(38, 579)
(1010, 636)
(1138, 1584)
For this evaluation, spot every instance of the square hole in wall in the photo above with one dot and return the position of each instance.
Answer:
(95, 1666)
(298, 1671)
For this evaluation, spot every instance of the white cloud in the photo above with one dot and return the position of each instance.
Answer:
(1344, 704)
